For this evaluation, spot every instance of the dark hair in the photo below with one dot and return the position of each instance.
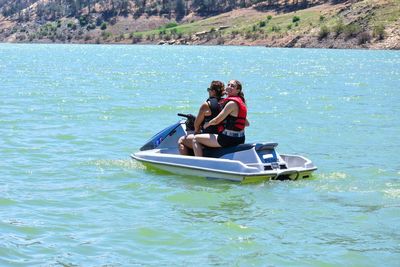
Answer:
(218, 87)
(239, 87)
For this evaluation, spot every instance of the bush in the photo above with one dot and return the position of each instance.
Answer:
(113, 21)
(167, 37)
(269, 17)
(103, 26)
(262, 24)
(323, 32)
(378, 32)
(364, 37)
(170, 25)
(295, 19)
(321, 18)
(98, 21)
(289, 27)
(106, 35)
(351, 30)
(220, 40)
(137, 38)
(338, 28)
(275, 28)
(248, 35)
(90, 27)
(83, 20)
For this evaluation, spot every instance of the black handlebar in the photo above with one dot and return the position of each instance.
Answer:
(187, 116)
(189, 122)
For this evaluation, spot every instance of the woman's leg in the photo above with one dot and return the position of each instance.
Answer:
(201, 140)
(185, 143)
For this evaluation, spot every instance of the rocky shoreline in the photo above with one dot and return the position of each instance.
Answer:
(340, 26)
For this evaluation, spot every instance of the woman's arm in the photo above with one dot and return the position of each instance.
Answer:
(200, 117)
(229, 108)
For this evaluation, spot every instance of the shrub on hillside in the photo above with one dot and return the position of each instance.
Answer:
(338, 28)
(99, 20)
(220, 40)
(170, 25)
(262, 24)
(323, 32)
(234, 33)
(378, 32)
(106, 35)
(275, 28)
(364, 37)
(295, 19)
(90, 27)
(71, 25)
(351, 30)
(248, 35)
(83, 20)
(103, 26)
(167, 37)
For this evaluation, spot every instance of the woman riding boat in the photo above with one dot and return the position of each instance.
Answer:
(233, 118)
(208, 111)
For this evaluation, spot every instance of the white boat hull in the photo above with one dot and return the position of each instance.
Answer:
(243, 163)
(236, 171)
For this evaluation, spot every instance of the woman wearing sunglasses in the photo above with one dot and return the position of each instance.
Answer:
(232, 120)
(208, 111)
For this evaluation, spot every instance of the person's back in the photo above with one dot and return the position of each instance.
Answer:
(214, 106)
(207, 112)
(233, 118)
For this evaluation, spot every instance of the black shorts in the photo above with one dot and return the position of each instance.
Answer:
(225, 141)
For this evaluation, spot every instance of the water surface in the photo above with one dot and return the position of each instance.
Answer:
(70, 115)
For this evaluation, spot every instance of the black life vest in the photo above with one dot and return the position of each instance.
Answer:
(215, 108)
(236, 123)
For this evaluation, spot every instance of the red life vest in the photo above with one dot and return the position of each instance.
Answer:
(235, 123)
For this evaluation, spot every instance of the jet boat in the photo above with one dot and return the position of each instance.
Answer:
(252, 162)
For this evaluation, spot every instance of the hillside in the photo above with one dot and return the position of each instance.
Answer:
(373, 24)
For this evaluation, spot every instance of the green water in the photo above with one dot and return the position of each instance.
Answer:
(70, 116)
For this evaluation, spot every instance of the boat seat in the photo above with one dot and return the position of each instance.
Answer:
(219, 152)
(265, 146)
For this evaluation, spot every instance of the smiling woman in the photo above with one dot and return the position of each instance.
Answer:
(232, 121)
